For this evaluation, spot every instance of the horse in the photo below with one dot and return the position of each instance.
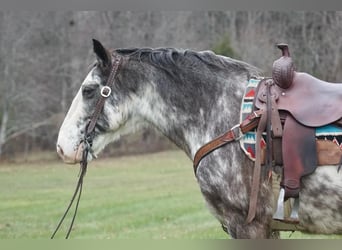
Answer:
(192, 97)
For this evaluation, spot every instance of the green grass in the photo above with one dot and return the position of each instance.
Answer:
(153, 196)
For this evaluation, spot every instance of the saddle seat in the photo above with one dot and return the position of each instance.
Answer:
(311, 101)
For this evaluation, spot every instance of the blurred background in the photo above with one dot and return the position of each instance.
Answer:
(44, 57)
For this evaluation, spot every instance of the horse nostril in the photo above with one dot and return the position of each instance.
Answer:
(60, 151)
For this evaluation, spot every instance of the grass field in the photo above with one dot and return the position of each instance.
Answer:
(151, 196)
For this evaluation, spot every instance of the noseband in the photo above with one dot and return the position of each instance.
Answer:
(87, 141)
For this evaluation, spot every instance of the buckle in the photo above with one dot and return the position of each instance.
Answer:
(238, 135)
(256, 115)
(105, 91)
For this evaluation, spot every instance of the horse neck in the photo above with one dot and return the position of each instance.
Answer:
(192, 113)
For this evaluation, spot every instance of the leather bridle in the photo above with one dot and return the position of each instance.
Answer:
(106, 90)
(89, 135)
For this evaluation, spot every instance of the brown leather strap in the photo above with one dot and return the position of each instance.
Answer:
(116, 61)
(257, 169)
(277, 128)
(248, 124)
(211, 146)
(270, 119)
(277, 132)
(251, 121)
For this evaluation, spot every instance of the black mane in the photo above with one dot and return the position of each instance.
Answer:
(171, 59)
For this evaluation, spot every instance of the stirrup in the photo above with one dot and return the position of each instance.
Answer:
(295, 208)
(279, 214)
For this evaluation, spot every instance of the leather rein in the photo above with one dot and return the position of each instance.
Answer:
(87, 141)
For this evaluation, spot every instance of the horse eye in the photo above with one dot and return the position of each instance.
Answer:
(88, 91)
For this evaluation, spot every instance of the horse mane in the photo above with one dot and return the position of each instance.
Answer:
(174, 60)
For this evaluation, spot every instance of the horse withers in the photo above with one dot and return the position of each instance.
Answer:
(193, 97)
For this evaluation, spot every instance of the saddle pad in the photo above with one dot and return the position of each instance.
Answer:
(247, 142)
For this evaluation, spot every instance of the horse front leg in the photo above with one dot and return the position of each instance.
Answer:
(255, 230)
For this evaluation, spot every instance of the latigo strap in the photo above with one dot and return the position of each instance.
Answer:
(250, 123)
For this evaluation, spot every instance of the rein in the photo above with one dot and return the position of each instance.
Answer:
(83, 170)
(87, 142)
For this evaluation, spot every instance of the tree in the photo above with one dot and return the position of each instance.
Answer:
(29, 96)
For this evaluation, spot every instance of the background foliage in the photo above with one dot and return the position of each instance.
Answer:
(44, 58)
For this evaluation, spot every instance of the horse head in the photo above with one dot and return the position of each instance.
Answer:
(112, 118)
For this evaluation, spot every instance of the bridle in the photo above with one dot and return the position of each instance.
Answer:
(106, 90)
(87, 141)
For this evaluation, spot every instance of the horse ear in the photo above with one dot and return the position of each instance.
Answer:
(102, 54)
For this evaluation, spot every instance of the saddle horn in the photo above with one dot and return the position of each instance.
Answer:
(283, 68)
(284, 49)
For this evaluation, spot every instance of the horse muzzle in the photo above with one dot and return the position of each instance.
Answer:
(71, 157)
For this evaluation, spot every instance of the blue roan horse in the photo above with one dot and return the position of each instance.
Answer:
(192, 97)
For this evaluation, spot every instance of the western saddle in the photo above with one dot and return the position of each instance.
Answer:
(287, 108)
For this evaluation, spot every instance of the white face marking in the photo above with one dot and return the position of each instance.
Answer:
(69, 136)
(118, 120)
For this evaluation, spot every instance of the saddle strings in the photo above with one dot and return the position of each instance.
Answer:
(78, 190)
